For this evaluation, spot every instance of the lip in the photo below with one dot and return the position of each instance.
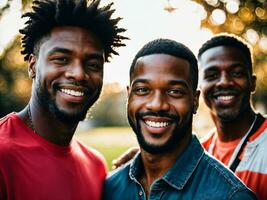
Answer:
(225, 100)
(156, 125)
(73, 94)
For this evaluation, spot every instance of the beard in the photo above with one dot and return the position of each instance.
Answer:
(231, 113)
(49, 103)
(174, 140)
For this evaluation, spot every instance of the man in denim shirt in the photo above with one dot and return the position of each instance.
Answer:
(162, 98)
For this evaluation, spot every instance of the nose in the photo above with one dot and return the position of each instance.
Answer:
(158, 102)
(76, 71)
(225, 80)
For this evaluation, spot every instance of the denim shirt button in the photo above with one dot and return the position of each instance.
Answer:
(140, 193)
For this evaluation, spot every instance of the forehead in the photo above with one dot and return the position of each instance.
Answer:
(72, 37)
(161, 67)
(222, 56)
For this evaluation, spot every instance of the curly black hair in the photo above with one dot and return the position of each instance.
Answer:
(173, 48)
(227, 39)
(47, 14)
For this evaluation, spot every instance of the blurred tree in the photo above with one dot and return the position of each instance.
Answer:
(14, 82)
(110, 110)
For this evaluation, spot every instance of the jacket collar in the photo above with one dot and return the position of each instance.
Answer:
(181, 171)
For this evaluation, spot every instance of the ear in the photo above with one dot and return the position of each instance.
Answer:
(128, 91)
(253, 83)
(196, 101)
(31, 66)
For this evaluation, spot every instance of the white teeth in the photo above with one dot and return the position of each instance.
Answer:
(157, 124)
(225, 98)
(72, 92)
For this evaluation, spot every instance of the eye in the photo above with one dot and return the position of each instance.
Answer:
(212, 75)
(176, 92)
(237, 73)
(60, 60)
(94, 66)
(141, 90)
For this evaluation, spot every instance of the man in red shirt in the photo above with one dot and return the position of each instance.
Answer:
(239, 139)
(66, 43)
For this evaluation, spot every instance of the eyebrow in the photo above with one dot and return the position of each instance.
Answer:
(215, 66)
(171, 82)
(98, 56)
(59, 50)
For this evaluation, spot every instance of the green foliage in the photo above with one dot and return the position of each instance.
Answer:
(14, 81)
(111, 142)
(110, 153)
(110, 110)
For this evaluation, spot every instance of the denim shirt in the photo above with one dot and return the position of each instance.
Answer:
(195, 175)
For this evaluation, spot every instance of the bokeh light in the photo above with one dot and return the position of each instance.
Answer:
(3, 3)
(232, 6)
(213, 2)
(218, 17)
(252, 36)
(263, 44)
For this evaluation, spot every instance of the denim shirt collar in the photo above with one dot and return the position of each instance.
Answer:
(181, 171)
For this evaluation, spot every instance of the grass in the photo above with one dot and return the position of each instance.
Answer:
(111, 142)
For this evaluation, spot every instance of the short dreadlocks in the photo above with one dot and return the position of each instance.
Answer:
(47, 14)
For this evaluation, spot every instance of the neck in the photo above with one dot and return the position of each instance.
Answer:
(236, 128)
(156, 165)
(46, 125)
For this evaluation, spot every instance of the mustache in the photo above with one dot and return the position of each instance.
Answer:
(140, 115)
(232, 91)
(88, 89)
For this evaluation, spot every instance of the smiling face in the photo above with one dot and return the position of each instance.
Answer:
(225, 82)
(161, 102)
(68, 73)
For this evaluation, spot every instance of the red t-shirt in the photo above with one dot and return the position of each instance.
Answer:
(33, 168)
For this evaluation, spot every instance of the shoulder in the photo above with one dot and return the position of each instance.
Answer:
(8, 133)
(118, 176)
(217, 169)
(90, 155)
(117, 184)
(7, 120)
(222, 179)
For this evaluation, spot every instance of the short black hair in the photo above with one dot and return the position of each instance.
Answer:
(173, 48)
(47, 14)
(231, 40)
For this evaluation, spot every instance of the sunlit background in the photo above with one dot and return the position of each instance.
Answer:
(187, 21)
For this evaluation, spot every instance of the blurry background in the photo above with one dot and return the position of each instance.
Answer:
(191, 22)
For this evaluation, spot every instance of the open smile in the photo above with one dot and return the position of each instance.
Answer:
(75, 93)
(157, 124)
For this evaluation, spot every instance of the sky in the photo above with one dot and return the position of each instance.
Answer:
(144, 20)
(147, 20)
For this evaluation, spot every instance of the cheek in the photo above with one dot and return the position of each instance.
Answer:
(96, 79)
(134, 106)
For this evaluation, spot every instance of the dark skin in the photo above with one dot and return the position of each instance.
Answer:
(161, 83)
(69, 67)
(226, 85)
(222, 68)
